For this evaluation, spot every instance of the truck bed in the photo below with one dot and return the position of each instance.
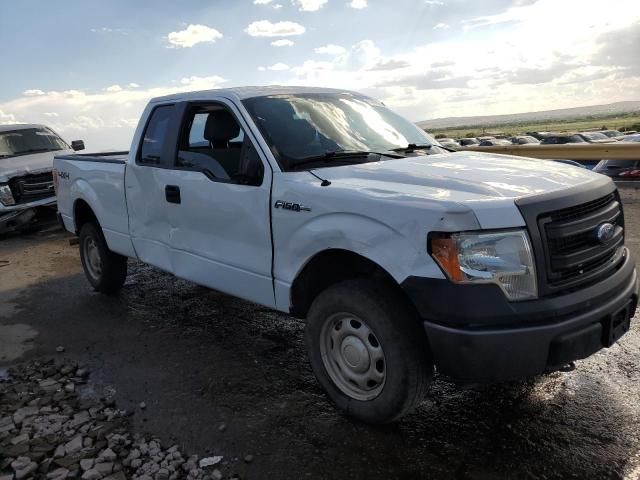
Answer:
(105, 157)
(97, 180)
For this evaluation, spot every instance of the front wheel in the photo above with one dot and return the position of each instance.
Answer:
(105, 270)
(368, 351)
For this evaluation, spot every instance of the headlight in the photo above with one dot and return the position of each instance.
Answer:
(6, 197)
(504, 258)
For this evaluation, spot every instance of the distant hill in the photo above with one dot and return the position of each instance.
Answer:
(610, 109)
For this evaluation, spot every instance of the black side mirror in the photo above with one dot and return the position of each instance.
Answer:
(77, 145)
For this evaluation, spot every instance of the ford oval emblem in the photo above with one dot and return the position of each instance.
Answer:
(605, 231)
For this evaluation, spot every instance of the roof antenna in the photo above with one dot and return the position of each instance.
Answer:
(324, 182)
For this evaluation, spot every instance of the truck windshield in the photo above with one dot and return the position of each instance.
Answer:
(29, 140)
(301, 127)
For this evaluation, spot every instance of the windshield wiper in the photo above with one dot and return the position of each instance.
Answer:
(411, 147)
(37, 150)
(330, 156)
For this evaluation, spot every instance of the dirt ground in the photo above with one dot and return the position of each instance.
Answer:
(200, 359)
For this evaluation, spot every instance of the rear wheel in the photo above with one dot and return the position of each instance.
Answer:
(105, 270)
(368, 351)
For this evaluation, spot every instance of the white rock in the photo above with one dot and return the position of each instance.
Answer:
(108, 455)
(74, 445)
(58, 474)
(209, 461)
(91, 475)
(86, 464)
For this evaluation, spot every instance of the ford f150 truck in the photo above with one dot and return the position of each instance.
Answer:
(26, 161)
(401, 256)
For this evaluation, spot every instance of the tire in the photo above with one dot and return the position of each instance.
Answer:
(105, 270)
(389, 357)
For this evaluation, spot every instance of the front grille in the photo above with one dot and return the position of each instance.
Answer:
(573, 253)
(30, 188)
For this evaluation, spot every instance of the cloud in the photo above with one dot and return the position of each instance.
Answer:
(331, 49)
(276, 67)
(265, 28)
(309, 5)
(434, 3)
(104, 119)
(113, 89)
(620, 48)
(433, 80)
(262, 2)
(193, 35)
(390, 64)
(33, 93)
(277, 6)
(134, 85)
(358, 4)
(283, 42)
(441, 26)
(201, 83)
(7, 118)
(106, 30)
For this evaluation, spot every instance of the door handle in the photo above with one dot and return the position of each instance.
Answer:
(172, 193)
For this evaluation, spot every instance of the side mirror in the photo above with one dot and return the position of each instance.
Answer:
(77, 145)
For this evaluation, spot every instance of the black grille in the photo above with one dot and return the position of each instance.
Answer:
(30, 188)
(573, 253)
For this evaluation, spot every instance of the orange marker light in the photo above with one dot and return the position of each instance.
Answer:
(445, 252)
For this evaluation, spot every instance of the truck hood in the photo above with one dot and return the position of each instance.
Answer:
(27, 164)
(462, 176)
(486, 183)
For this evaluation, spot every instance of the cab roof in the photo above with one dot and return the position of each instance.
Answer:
(19, 126)
(242, 93)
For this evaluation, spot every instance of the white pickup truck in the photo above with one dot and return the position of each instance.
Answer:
(401, 255)
(26, 182)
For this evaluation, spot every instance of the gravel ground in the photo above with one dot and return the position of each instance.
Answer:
(218, 376)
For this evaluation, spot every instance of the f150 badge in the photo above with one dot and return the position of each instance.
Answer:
(296, 207)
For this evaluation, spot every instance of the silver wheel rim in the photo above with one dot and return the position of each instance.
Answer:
(353, 356)
(92, 258)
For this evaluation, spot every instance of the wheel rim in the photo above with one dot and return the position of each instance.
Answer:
(92, 256)
(353, 356)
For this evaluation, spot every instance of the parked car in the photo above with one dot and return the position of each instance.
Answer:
(400, 255)
(630, 132)
(468, 142)
(619, 169)
(538, 135)
(631, 138)
(486, 137)
(447, 143)
(495, 142)
(596, 137)
(562, 139)
(26, 161)
(524, 140)
(615, 134)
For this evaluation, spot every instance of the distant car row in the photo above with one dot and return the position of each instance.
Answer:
(543, 138)
(618, 169)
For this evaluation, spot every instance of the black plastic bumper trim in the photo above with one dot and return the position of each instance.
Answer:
(489, 355)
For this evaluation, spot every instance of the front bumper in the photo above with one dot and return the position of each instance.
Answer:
(477, 336)
(15, 219)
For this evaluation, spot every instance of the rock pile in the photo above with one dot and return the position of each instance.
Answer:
(48, 430)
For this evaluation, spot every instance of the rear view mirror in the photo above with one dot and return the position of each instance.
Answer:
(77, 145)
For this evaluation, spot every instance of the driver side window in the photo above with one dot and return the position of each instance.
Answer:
(212, 141)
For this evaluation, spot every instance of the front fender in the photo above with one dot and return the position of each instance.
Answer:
(394, 250)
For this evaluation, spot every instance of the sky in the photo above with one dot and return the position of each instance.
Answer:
(87, 67)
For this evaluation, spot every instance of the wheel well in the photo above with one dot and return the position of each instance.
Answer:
(82, 213)
(327, 268)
